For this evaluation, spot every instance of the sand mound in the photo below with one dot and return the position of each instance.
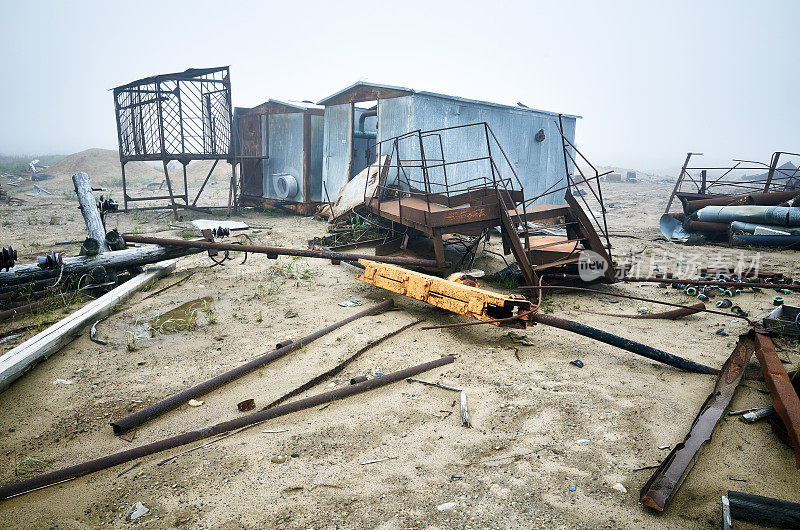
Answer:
(197, 171)
(103, 168)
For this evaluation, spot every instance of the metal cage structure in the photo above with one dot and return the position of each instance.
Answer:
(182, 116)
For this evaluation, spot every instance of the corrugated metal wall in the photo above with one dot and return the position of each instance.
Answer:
(537, 164)
(337, 149)
(285, 132)
(317, 147)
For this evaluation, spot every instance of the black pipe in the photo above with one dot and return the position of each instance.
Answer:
(137, 418)
(764, 511)
(623, 343)
(54, 477)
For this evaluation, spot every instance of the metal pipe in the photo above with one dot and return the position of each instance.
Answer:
(338, 368)
(764, 285)
(630, 297)
(767, 241)
(691, 225)
(674, 313)
(749, 228)
(363, 118)
(622, 343)
(137, 418)
(278, 251)
(771, 215)
(106, 462)
(365, 135)
(21, 310)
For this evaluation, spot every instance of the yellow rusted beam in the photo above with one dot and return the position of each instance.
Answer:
(455, 297)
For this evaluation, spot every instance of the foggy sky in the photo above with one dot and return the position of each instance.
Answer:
(651, 80)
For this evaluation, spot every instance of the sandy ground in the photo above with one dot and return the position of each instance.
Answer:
(529, 406)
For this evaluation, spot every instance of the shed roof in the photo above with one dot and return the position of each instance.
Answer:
(188, 74)
(277, 106)
(364, 91)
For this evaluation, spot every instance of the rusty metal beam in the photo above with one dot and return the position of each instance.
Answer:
(501, 310)
(62, 475)
(675, 468)
(445, 294)
(274, 252)
(784, 396)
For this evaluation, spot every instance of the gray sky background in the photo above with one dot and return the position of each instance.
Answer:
(651, 80)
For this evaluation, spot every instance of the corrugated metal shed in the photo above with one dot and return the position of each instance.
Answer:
(290, 134)
(539, 164)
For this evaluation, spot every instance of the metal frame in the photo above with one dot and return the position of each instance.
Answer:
(182, 116)
(493, 198)
(701, 186)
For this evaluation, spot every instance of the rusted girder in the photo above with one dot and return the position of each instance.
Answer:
(673, 470)
(784, 397)
(501, 310)
(466, 300)
(62, 475)
(274, 252)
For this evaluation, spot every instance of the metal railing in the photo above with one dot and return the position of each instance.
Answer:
(414, 165)
(714, 181)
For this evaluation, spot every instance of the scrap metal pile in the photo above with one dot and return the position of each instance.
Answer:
(760, 210)
(399, 274)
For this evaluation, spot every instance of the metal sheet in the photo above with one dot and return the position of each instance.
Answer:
(317, 147)
(285, 152)
(337, 148)
(539, 165)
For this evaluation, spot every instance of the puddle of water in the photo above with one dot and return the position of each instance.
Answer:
(182, 318)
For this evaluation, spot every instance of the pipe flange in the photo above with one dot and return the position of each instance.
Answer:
(286, 186)
(221, 232)
(7, 258)
(49, 260)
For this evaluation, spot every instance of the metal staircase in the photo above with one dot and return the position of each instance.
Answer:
(417, 192)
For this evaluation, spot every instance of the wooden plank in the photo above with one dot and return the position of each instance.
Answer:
(41, 346)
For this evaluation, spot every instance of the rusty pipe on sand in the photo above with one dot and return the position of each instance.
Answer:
(274, 252)
(105, 462)
(137, 418)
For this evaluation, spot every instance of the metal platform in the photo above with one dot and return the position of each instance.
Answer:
(415, 192)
